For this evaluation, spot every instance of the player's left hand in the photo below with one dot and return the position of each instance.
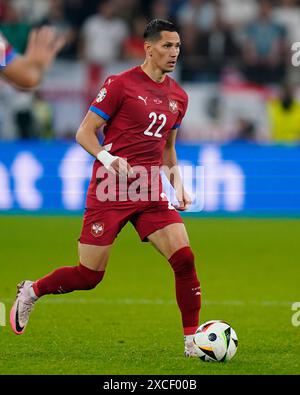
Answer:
(43, 45)
(184, 200)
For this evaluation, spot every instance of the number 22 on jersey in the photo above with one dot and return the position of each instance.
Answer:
(154, 118)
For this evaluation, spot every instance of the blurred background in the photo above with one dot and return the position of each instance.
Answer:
(243, 120)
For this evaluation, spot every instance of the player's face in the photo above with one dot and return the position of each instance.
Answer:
(165, 51)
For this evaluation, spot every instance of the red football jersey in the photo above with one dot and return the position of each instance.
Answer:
(140, 114)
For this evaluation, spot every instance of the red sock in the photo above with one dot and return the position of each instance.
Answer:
(67, 279)
(188, 293)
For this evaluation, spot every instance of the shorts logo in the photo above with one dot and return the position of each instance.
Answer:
(101, 95)
(97, 229)
(173, 106)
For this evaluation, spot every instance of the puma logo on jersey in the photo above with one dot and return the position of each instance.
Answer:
(144, 99)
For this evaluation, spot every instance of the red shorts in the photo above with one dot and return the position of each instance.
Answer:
(102, 225)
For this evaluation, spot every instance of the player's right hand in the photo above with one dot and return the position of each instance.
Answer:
(115, 164)
(121, 167)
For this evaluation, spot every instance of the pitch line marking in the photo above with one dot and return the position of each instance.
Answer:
(66, 300)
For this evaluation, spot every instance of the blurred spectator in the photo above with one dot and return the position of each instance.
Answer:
(264, 54)
(3, 9)
(189, 58)
(32, 11)
(160, 9)
(245, 131)
(133, 47)
(43, 117)
(128, 10)
(103, 35)
(77, 11)
(237, 13)
(201, 13)
(206, 53)
(288, 15)
(33, 116)
(284, 116)
(217, 49)
(57, 19)
(23, 116)
(175, 5)
(7, 125)
(15, 29)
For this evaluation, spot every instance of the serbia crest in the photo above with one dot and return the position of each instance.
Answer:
(97, 229)
(173, 106)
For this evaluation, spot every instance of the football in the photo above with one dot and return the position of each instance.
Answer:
(215, 341)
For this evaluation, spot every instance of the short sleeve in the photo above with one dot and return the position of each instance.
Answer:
(181, 114)
(7, 52)
(109, 98)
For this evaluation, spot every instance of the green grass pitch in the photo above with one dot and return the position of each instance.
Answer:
(130, 324)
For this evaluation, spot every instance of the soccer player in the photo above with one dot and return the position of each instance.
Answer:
(141, 108)
(26, 71)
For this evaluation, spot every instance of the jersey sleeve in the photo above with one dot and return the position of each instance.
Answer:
(7, 52)
(109, 98)
(181, 114)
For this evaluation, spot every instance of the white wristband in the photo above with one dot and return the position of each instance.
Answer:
(106, 158)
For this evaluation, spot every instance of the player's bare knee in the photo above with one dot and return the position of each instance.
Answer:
(94, 257)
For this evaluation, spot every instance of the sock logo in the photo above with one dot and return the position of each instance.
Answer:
(97, 229)
(198, 291)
